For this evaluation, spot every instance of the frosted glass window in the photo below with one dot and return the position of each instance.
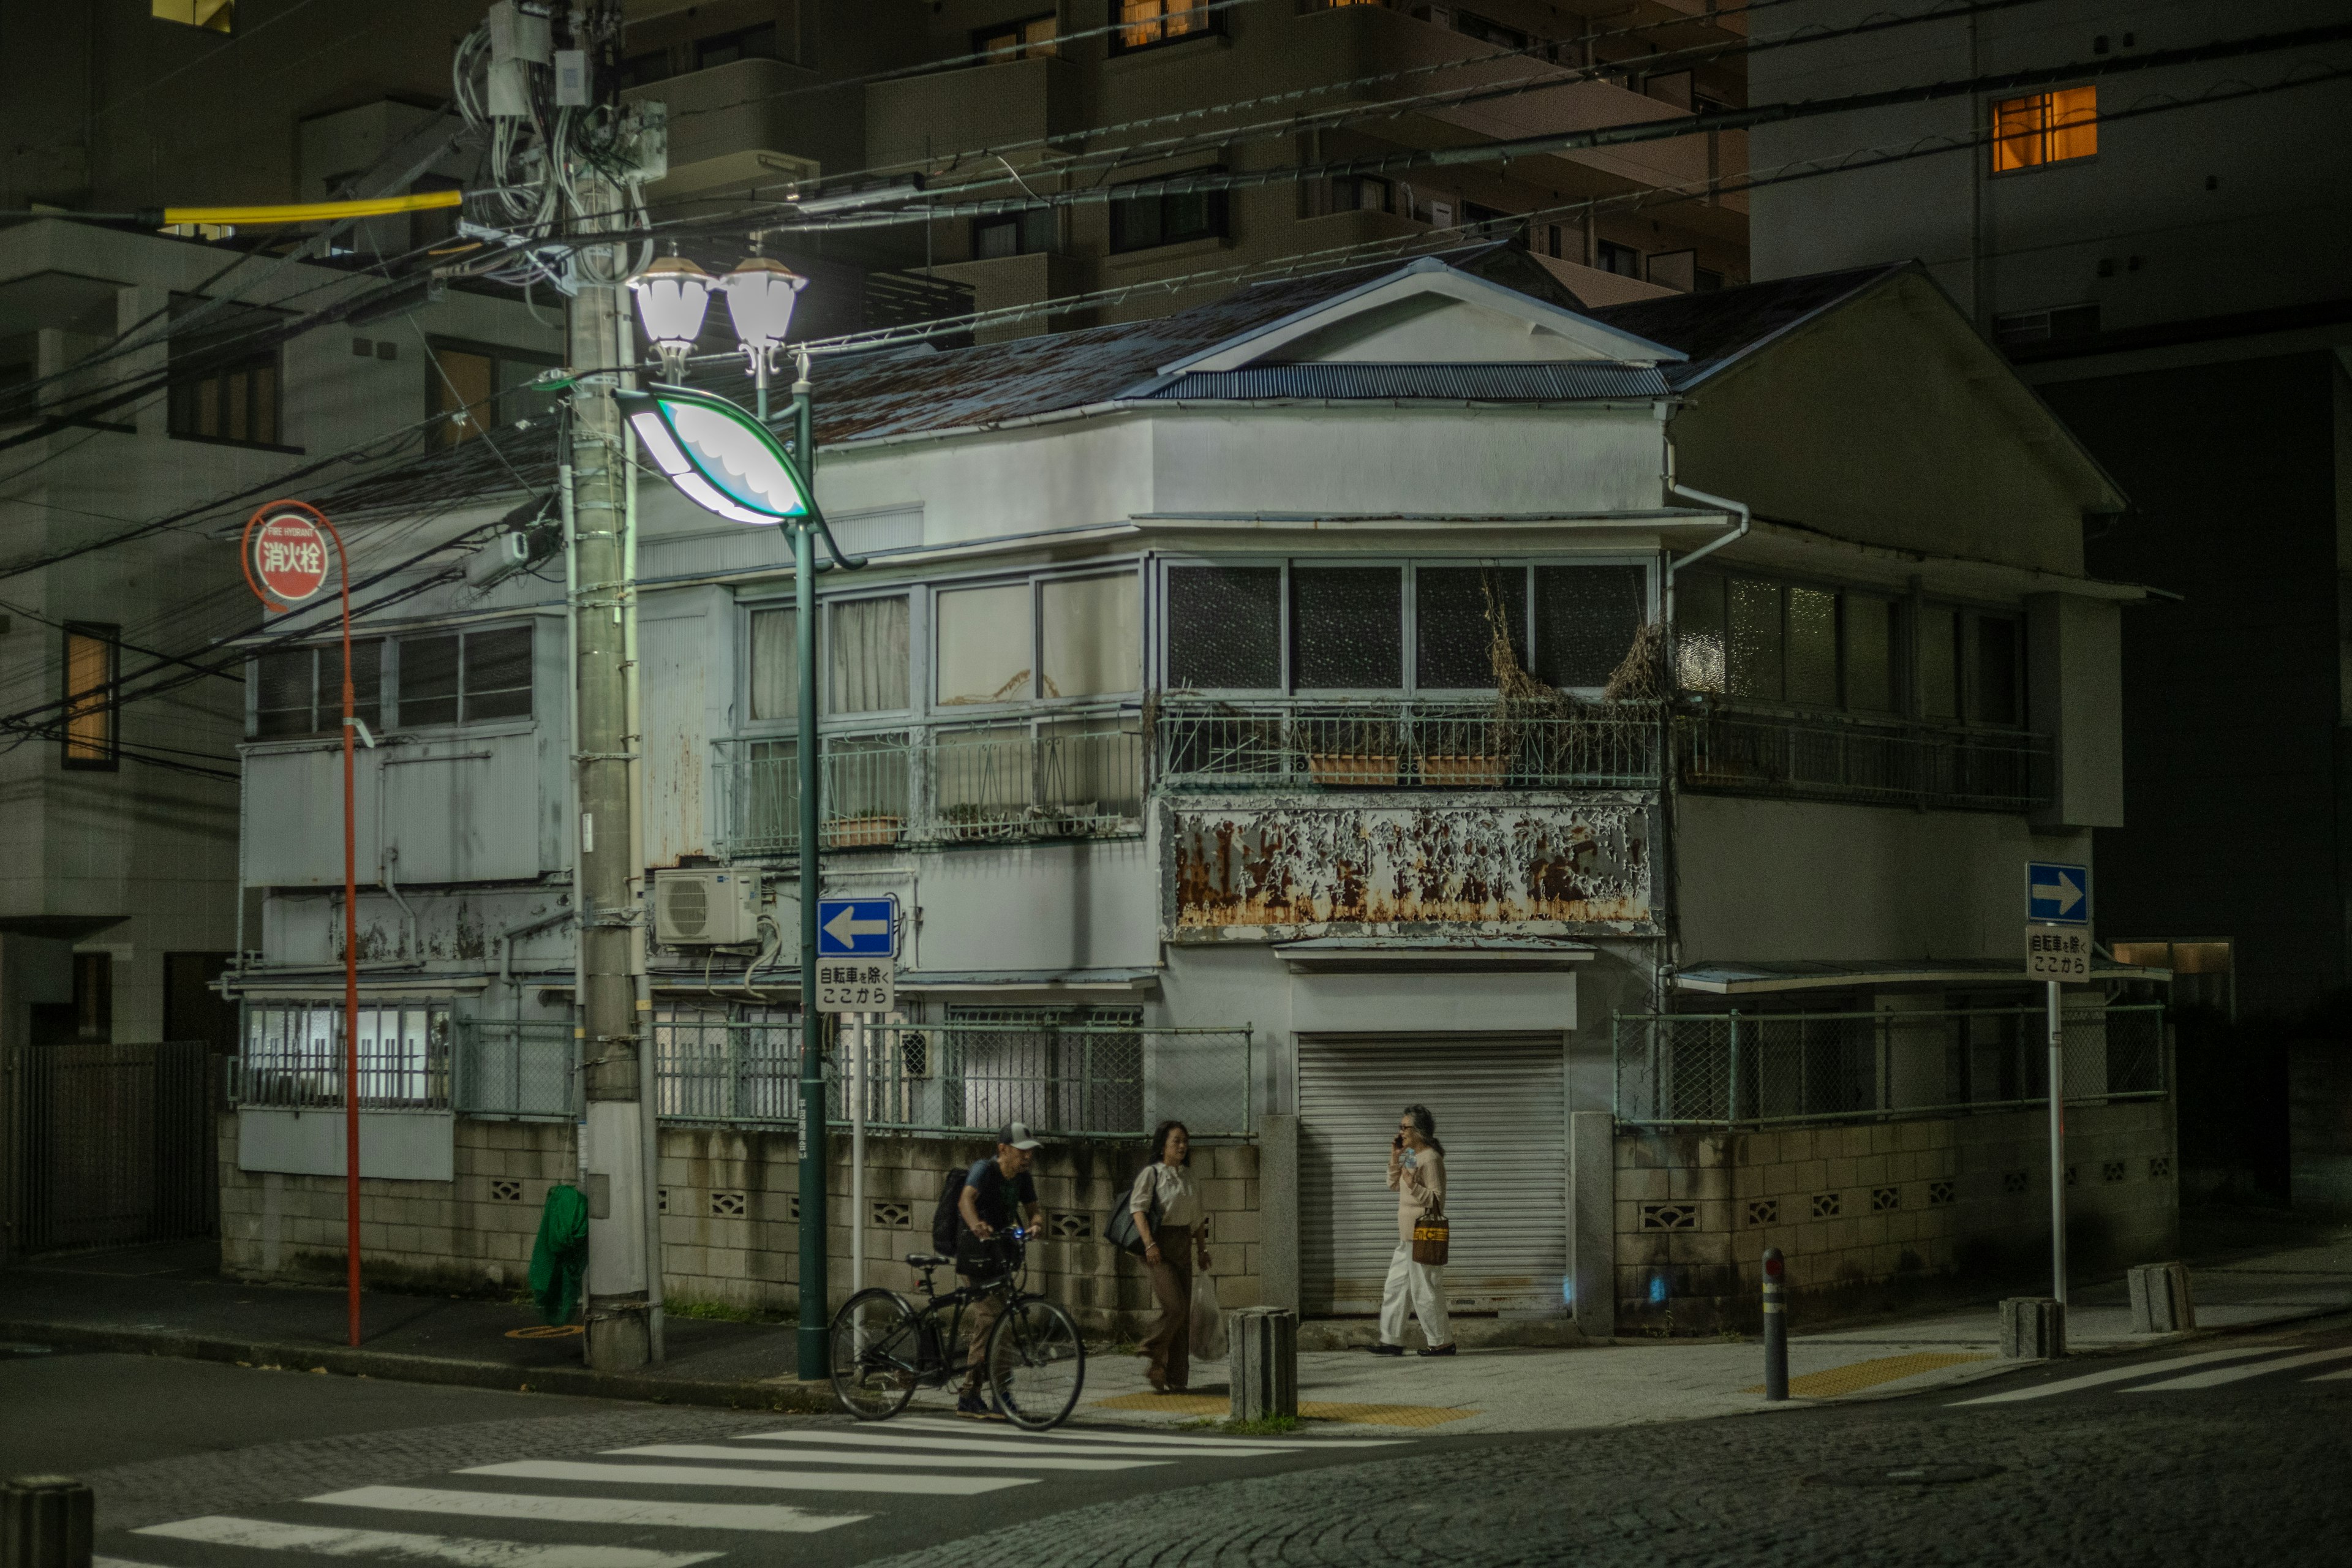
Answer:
(1586, 620)
(1813, 647)
(986, 648)
(1870, 662)
(1093, 635)
(1347, 628)
(1224, 627)
(1939, 665)
(776, 665)
(1753, 655)
(869, 655)
(1454, 641)
(1698, 633)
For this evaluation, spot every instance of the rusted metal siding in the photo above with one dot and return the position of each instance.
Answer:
(1259, 867)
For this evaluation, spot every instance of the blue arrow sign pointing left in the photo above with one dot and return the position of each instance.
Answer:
(857, 928)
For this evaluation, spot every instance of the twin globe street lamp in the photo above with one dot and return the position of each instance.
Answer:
(728, 462)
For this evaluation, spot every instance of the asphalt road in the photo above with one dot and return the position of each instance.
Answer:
(2225, 1451)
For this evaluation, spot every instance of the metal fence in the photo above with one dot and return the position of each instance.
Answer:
(1089, 1076)
(1412, 744)
(1821, 757)
(525, 1069)
(1063, 779)
(1736, 1069)
(113, 1144)
(293, 1058)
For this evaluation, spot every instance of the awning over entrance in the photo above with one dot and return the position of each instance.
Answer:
(1738, 979)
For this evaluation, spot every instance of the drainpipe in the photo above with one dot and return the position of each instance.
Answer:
(505, 941)
(1665, 857)
(392, 886)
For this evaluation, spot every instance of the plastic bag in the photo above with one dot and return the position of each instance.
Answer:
(1208, 1321)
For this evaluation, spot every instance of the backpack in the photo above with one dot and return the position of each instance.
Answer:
(949, 1214)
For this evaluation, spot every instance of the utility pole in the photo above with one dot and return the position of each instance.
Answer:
(815, 1300)
(619, 1318)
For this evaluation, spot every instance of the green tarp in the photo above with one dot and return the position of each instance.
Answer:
(559, 1258)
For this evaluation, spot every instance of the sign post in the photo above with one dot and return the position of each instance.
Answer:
(2057, 948)
(858, 972)
(284, 553)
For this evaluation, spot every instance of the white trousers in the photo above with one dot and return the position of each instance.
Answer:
(1423, 1288)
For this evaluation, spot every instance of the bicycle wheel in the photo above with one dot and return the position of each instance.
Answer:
(1037, 1364)
(874, 1354)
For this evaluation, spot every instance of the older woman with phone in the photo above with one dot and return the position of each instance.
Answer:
(1417, 1176)
(1166, 1202)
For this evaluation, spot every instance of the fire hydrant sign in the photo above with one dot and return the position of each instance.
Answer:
(857, 985)
(290, 557)
(2058, 952)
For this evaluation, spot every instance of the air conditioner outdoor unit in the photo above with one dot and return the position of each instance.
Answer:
(707, 907)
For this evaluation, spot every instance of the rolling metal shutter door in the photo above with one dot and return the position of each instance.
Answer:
(1501, 1114)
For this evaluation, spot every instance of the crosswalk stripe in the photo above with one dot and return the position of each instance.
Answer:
(934, 1423)
(117, 1563)
(768, 1481)
(864, 1457)
(2332, 1376)
(2233, 1373)
(590, 1509)
(266, 1535)
(1142, 1447)
(2112, 1374)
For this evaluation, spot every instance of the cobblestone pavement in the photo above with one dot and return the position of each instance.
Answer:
(2252, 1470)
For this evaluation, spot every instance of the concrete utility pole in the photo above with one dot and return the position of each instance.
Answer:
(619, 1321)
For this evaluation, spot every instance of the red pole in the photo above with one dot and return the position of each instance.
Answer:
(351, 897)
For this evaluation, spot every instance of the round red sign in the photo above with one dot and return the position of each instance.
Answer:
(290, 557)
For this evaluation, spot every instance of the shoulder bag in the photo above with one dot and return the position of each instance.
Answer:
(1122, 1231)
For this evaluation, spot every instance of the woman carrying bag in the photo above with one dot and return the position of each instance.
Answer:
(1417, 1271)
(1166, 1203)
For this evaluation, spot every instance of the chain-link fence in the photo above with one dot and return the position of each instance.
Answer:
(1086, 1074)
(523, 1068)
(1724, 1069)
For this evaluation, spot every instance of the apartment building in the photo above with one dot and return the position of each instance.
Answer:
(2175, 285)
(1252, 714)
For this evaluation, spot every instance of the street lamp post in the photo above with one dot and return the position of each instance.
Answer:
(729, 464)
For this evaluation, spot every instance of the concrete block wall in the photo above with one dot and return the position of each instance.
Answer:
(1952, 1202)
(730, 1234)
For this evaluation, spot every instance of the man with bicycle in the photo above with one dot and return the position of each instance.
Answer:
(984, 1256)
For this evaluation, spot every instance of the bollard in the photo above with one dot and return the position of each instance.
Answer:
(1776, 1325)
(2033, 1328)
(1262, 1355)
(44, 1523)
(2160, 1302)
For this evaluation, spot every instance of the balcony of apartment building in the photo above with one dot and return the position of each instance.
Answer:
(741, 108)
(1000, 108)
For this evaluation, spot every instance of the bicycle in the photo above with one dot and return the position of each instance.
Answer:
(884, 1346)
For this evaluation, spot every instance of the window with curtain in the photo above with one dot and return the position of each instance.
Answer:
(2045, 128)
(224, 373)
(1939, 662)
(868, 660)
(984, 646)
(1867, 625)
(93, 655)
(1090, 636)
(1809, 647)
(1143, 22)
(473, 388)
(1225, 628)
(776, 665)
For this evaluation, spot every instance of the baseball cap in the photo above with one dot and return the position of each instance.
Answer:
(1017, 1134)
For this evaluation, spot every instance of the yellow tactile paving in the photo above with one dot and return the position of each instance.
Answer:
(1863, 1374)
(1313, 1410)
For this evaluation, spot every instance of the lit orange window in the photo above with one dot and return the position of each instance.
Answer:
(1143, 22)
(2045, 128)
(90, 696)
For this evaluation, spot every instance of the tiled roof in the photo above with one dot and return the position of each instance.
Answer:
(1719, 326)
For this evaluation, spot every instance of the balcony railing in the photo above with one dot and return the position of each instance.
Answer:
(1826, 757)
(1064, 779)
(1403, 744)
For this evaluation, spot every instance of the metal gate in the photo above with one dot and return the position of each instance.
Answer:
(1500, 1103)
(113, 1144)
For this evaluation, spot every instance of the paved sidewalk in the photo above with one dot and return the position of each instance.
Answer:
(168, 1300)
